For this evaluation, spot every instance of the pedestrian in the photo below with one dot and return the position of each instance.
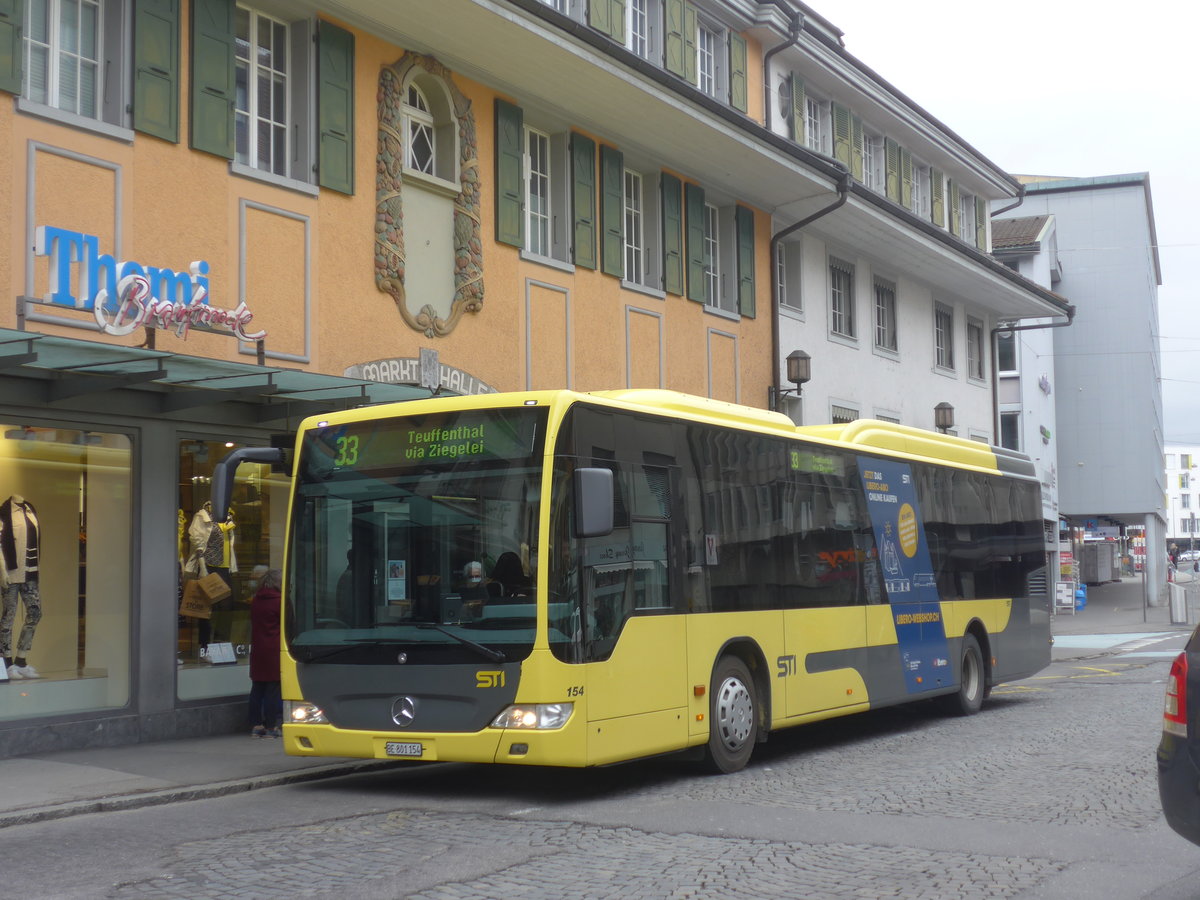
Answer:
(266, 703)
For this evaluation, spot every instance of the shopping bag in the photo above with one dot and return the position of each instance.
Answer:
(195, 602)
(214, 587)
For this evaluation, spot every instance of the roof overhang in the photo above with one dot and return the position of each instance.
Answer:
(67, 369)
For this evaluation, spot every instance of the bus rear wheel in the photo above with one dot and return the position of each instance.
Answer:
(733, 717)
(972, 681)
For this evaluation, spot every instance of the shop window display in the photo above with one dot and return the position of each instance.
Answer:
(214, 637)
(64, 570)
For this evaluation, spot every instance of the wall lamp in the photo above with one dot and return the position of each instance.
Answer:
(799, 372)
(943, 416)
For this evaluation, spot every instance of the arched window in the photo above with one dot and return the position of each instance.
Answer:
(430, 131)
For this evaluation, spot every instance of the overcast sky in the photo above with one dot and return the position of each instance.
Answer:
(1060, 87)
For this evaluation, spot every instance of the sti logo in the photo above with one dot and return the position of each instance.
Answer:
(489, 679)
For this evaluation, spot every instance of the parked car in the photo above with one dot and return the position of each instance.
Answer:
(1179, 747)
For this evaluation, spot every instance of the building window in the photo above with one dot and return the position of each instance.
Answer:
(885, 315)
(708, 56)
(639, 27)
(537, 193)
(62, 55)
(1006, 353)
(1183, 480)
(840, 415)
(966, 217)
(1185, 501)
(712, 256)
(814, 124)
(635, 244)
(788, 262)
(1185, 460)
(559, 5)
(975, 349)
(872, 163)
(841, 297)
(69, 523)
(943, 336)
(920, 189)
(261, 75)
(1010, 430)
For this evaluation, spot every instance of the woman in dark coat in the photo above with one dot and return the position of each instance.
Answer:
(266, 705)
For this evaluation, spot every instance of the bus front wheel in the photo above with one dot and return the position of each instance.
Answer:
(733, 716)
(972, 678)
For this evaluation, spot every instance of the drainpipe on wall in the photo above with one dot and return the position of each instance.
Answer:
(843, 192)
(996, 360)
(796, 23)
(1020, 199)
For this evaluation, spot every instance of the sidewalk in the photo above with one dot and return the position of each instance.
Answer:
(56, 785)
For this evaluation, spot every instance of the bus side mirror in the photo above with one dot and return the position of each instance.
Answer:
(226, 469)
(593, 502)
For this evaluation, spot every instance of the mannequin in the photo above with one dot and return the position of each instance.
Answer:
(211, 551)
(20, 537)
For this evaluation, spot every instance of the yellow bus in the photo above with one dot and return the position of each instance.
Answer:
(570, 579)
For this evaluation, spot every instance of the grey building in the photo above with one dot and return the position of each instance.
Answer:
(1108, 400)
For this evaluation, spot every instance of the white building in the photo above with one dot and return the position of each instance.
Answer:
(1183, 495)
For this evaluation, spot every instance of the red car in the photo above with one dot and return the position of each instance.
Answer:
(1179, 747)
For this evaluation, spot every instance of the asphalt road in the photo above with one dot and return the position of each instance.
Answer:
(1049, 793)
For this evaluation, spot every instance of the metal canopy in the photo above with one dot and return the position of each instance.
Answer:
(74, 367)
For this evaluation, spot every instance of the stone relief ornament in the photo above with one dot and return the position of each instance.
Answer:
(389, 208)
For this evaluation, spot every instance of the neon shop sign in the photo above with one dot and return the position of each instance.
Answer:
(126, 295)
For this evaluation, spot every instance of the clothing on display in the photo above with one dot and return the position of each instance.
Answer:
(19, 558)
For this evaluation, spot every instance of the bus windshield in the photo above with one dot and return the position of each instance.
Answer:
(412, 539)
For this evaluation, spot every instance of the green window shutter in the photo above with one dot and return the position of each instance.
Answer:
(156, 68)
(12, 20)
(612, 211)
(335, 107)
(673, 45)
(737, 72)
(213, 91)
(892, 169)
(937, 198)
(955, 203)
(841, 134)
(583, 198)
(510, 176)
(672, 233)
(745, 261)
(693, 196)
(906, 178)
(981, 224)
(690, 63)
(799, 109)
(608, 17)
(856, 149)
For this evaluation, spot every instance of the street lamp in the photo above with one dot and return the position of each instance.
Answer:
(943, 416)
(799, 373)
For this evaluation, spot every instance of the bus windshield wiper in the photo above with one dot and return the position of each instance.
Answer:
(486, 652)
(350, 644)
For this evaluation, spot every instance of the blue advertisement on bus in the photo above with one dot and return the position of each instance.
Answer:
(907, 573)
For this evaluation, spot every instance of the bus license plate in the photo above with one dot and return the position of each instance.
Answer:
(397, 748)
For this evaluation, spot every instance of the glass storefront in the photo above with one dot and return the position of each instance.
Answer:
(214, 639)
(65, 526)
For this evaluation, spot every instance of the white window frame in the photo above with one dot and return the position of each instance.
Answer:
(112, 114)
(943, 336)
(712, 256)
(539, 185)
(966, 217)
(1008, 337)
(841, 298)
(55, 49)
(920, 189)
(1011, 418)
(248, 120)
(789, 263)
(418, 122)
(710, 57)
(642, 34)
(815, 116)
(1185, 501)
(634, 211)
(976, 353)
(872, 163)
(883, 296)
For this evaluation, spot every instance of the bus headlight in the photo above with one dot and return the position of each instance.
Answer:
(534, 715)
(300, 712)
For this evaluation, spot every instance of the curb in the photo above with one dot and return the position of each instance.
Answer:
(184, 794)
